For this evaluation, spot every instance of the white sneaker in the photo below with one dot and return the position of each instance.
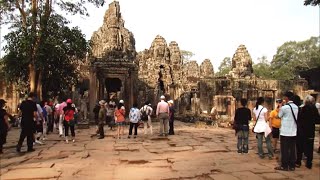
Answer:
(67, 141)
(39, 142)
(73, 140)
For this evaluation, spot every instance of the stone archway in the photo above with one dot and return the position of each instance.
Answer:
(113, 86)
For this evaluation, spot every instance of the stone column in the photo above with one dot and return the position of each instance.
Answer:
(92, 91)
(101, 89)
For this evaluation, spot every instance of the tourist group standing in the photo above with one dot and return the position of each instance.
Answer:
(292, 122)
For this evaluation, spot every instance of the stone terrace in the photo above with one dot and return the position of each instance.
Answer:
(193, 153)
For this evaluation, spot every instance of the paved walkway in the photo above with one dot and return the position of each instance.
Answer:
(193, 153)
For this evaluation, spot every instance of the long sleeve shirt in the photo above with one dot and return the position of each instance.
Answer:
(162, 107)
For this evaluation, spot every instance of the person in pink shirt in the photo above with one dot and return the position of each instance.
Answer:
(163, 115)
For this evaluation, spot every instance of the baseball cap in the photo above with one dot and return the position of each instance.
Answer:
(69, 101)
(162, 97)
(121, 101)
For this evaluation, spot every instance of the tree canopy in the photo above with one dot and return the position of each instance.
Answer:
(262, 68)
(186, 55)
(34, 16)
(56, 56)
(311, 2)
(293, 57)
(225, 67)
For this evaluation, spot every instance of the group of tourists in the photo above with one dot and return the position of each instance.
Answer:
(291, 121)
(109, 113)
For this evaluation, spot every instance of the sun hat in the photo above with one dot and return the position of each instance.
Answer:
(102, 102)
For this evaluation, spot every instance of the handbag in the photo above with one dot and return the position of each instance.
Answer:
(257, 120)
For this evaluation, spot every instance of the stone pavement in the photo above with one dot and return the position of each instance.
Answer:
(193, 153)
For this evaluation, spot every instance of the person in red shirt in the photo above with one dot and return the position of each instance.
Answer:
(120, 118)
(68, 121)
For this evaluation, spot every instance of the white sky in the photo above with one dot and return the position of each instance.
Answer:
(212, 28)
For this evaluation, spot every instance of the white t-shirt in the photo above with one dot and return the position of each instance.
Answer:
(39, 111)
(261, 122)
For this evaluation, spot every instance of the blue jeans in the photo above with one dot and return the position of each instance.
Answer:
(243, 139)
(260, 143)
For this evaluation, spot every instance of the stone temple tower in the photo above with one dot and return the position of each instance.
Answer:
(241, 63)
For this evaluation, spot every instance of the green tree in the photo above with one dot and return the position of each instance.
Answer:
(225, 67)
(34, 15)
(311, 2)
(60, 50)
(186, 56)
(293, 57)
(262, 68)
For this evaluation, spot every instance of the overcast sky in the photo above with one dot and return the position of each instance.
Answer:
(212, 29)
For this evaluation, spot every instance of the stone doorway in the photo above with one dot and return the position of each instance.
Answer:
(113, 87)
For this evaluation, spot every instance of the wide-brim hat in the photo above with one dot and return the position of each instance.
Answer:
(102, 102)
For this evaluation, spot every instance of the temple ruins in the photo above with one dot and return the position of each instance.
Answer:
(115, 70)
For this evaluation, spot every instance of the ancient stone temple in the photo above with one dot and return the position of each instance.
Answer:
(241, 63)
(112, 68)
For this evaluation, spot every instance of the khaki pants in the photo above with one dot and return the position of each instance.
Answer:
(164, 123)
(146, 124)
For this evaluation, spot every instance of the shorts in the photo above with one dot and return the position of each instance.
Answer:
(121, 123)
(275, 132)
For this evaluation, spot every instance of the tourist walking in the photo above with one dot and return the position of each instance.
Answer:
(171, 117)
(101, 118)
(146, 112)
(307, 118)
(134, 117)
(39, 125)
(96, 110)
(28, 110)
(275, 123)
(4, 124)
(49, 110)
(241, 126)
(120, 118)
(163, 115)
(110, 114)
(288, 132)
(61, 117)
(262, 127)
(69, 122)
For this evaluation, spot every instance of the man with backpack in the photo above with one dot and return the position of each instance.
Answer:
(288, 132)
(146, 112)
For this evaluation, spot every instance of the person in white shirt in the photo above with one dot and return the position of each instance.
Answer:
(288, 132)
(147, 123)
(163, 115)
(260, 115)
